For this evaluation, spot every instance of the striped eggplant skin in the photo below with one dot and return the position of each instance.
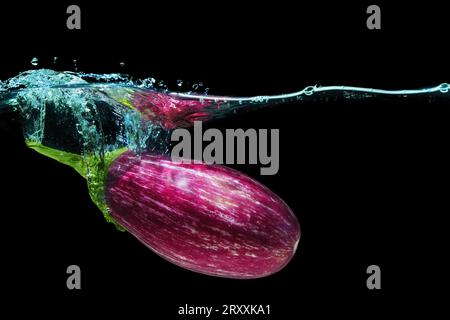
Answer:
(206, 218)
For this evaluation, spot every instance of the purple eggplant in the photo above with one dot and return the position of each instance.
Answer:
(206, 218)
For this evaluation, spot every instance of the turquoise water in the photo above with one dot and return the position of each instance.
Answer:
(85, 120)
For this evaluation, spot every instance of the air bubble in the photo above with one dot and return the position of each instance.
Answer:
(444, 88)
(309, 90)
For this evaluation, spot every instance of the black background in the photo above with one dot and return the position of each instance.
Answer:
(368, 179)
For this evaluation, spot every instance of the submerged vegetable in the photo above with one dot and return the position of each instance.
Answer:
(206, 218)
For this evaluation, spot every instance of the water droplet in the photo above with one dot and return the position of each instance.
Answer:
(147, 83)
(444, 88)
(179, 83)
(310, 90)
(34, 61)
(122, 64)
(75, 65)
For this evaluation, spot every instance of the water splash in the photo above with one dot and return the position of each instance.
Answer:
(107, 112)
(113, 111)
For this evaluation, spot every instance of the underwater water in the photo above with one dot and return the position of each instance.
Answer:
(115, 132)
